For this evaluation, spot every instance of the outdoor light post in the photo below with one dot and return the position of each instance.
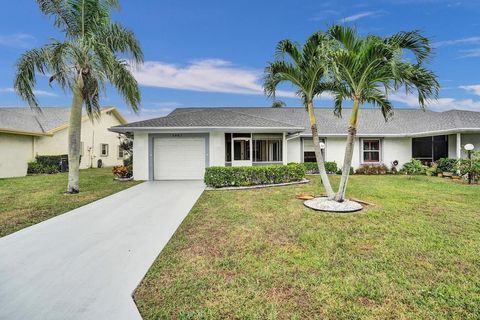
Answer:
(469, 147)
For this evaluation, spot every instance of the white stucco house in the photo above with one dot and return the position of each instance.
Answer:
(182, 144)
(25, 133)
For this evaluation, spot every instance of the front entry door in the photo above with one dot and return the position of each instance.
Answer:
(242, 152)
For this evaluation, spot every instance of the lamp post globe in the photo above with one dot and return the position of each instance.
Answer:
(469, 147)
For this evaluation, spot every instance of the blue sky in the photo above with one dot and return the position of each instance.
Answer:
(212, 53)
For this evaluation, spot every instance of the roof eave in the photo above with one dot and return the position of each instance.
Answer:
(203, 129)
(24, 133)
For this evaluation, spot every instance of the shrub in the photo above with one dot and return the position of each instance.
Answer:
(51, 160)
(122, 171)
(470, 166)
(37, 168)
(414, 167)
(446, 165)
(371, 169)
(312, 167)
(248, 176)
(128, 161)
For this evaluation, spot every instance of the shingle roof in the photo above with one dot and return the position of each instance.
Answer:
(35, 122)
(371, 121)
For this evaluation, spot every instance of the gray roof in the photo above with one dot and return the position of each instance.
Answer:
(35, 122)
(371, 121)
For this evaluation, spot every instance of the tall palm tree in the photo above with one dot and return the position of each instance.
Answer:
(366, 69)
(305, 68)
(93, 52)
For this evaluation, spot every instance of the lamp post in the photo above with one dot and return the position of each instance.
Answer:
(469, 147)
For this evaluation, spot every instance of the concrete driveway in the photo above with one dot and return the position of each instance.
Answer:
(86, 263)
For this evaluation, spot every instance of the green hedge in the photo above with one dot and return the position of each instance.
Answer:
(312, 167)
(37, 168)
(50, 160)
(219, 177)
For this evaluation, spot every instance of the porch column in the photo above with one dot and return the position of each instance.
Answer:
(284, 149)
(459, 146)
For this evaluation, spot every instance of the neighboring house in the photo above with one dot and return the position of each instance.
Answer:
(25, 133)
(182, 144)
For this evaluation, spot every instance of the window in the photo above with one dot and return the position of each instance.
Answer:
(309, 151)
(121, 152)
(267, 150)
(104, 150)
(428, 149)
(241, 150)
(371, 150)
(228, 147)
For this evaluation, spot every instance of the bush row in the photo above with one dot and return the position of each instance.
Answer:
(312, 167)
(37, 168)
(219, 177)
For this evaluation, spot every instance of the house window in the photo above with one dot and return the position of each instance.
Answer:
(228, 147)
(371, 150)
(309, 151)
(241, 150)
(121, 152)
(267, 150)
(104, 150)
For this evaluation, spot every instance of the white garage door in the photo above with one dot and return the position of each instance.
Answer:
(179, 158)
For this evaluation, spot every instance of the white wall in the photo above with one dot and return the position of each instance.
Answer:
(15, 152)
(140, 156)
(399, 149)
(473, 138)
(293, 150)
(93, 134)
(217, 149)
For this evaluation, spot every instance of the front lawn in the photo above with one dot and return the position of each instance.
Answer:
(29, 200)
(260, 254)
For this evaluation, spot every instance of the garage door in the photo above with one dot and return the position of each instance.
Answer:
(179, 158)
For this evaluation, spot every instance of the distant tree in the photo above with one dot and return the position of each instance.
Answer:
(278, 104)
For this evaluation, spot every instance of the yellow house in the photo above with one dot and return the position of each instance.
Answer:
(25, 133)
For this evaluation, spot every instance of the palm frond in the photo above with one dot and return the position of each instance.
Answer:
(290, 48)
(413, 41)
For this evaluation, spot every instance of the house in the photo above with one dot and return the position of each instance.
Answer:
(25, 133)
(181, 144)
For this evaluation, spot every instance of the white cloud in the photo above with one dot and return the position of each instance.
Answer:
(469, 40)
(17, 40)
(40, 93)
(358, 16)
(440, 104)
(470, 53)
(475, 89)
(209, 75)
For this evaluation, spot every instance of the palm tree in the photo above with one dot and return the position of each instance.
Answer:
(83, 62)
(365, 69)
(304, 68)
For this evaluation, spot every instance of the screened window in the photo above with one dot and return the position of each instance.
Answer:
(241, 150)
(104, 150)
(371, 150)
(267, 150)
(228, 147)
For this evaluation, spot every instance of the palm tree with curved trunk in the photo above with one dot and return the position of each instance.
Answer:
(366, 69)
(93, 52)
(304, 68)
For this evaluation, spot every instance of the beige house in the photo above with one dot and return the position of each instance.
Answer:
(25, 134)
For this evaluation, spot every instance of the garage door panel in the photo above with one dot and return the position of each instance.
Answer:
(179, 158)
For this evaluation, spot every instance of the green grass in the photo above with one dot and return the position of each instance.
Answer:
(29, 200)
(260, 254)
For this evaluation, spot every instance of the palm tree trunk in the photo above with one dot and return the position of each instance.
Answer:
(74, 136)
(318, 152)
(347, 161)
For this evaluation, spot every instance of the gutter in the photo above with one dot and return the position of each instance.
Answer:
(403, 135)
(203, 129)
(25, 133)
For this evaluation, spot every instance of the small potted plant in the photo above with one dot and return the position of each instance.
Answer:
(123, 173)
